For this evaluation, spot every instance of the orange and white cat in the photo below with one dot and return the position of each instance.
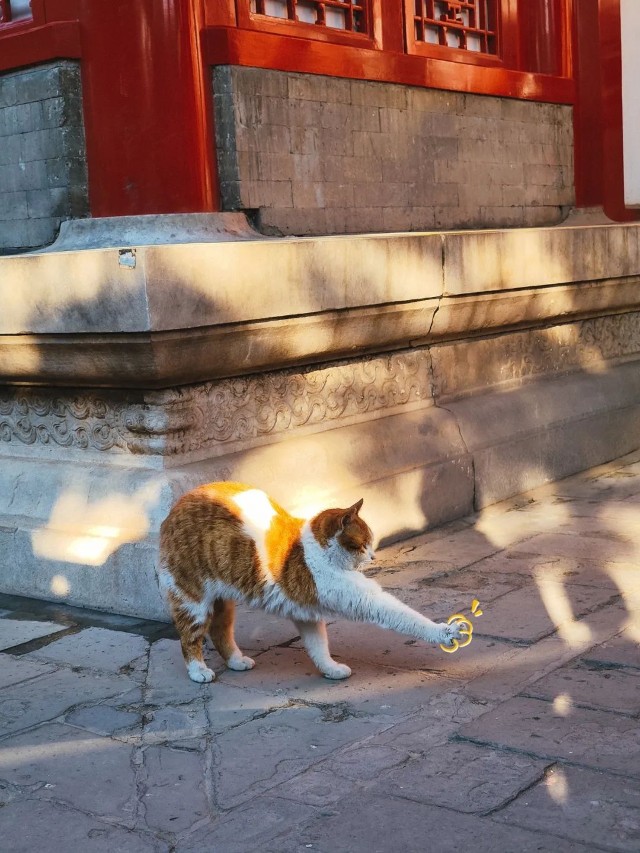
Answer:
(227, 542)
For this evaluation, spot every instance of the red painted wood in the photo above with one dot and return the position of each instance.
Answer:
(219, 13)
(148, 116)
(587, 116)
(228, 46)
(541, 26)
(612, 161)
(389, 26)
(28, 45)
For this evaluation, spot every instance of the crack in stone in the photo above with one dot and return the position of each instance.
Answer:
(544, 773)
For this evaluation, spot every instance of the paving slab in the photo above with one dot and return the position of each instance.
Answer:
(248, 828)
(590, 686)
(228, 706)
(171, 724)
(174, 796)
(464, 777)
(622, 651)
(456, 549)
(29, 825)
(596, 739)
(382, 824)
(45, 698)
(167, 682)
(262, 753)
(579, 547)
(533, 612)
(95, 648)
(14, 632)
(83, 770)
(104, 719)
(259, 631)
(372, 689)
(585, 806)
(13, 670)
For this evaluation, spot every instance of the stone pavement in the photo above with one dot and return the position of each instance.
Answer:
(527, 740)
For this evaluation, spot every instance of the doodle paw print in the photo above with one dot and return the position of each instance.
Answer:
(465, 628)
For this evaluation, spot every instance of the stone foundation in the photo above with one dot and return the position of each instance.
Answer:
(319, 155)
(43, 169)
(430, 374)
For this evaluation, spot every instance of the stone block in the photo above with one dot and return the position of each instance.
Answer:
(174, 795)
(14, 632)
(95, 648)
(29, 825)
(13, 670)
(594, 739)
(592, 686)
(45, 698)
(464, 777)
(359, 823)
(583, 806)
(93, 774)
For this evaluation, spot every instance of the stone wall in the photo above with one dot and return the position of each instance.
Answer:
(319, 155)
(43, 175)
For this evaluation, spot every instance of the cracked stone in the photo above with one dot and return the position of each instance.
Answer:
(596, 739)
(95, 648)
(31, 702)
(167, 680)
(103, 719)
(372, 689)
(29, 825)
(464, 777)
(523, 615)
(13, 670)
(231, 706)
(14, 632)
(249, 827)
(609, 689)
(589, 807)
(174, 724)
(621, 651)
(263, 753)
(367, 824)
(174, 798)
(89, 772)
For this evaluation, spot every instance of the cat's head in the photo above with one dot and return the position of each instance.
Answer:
(346, 535)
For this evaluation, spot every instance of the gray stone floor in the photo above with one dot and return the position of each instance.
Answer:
(526, 740)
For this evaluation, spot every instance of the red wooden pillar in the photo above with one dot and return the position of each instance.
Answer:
(147, 106)
(598, 110)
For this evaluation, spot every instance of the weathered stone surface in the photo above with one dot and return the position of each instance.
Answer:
(533, 612)
(371, 690)
(170, 724)
(363, 826)
(621, 651)
(167, 680)
(592, 686)
(15, 632)
(464, 777)
(96, 648)
(174, 795)
(103, 719)
(288, 741)
(31, 825)
(45, 698)
(228, 706)
(596, 739)
(16, 669)
(91, 773)
(585, 806)
(254, 823)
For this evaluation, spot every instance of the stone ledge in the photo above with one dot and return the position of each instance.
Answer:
(112, 317)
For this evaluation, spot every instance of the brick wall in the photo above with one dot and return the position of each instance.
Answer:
(43, 176)
(320, 155)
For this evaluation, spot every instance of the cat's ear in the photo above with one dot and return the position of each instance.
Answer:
(352, 512)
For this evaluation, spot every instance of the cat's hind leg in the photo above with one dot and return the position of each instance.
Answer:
(191, 631)
(222, 636)
(316, 642)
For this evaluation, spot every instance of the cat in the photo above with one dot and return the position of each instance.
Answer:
(227, 542)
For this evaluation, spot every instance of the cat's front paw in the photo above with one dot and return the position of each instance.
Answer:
(447, 633)
(336, 671)
(200, 672)
(240, 663)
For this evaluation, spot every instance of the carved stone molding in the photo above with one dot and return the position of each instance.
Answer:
(229, 411)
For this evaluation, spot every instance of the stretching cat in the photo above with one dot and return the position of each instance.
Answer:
(227, 542)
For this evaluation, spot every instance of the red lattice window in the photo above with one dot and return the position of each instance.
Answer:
(461, 24)
(13, 11)
(347, 15)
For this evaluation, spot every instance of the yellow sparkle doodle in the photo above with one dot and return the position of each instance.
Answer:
(466, 630)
